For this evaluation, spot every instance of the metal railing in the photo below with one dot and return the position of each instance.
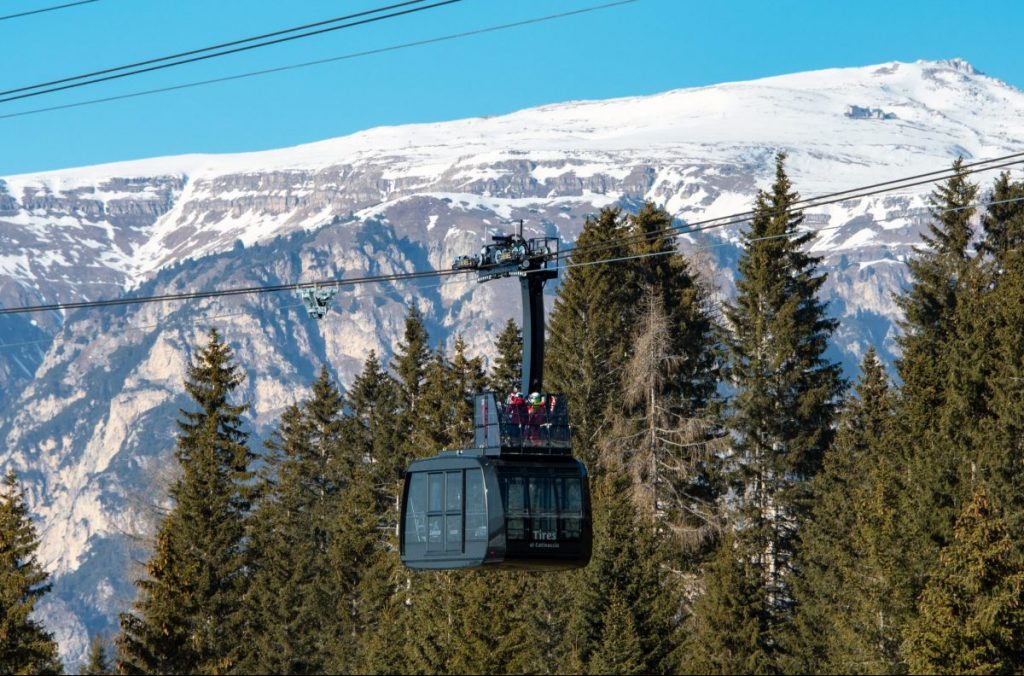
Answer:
(519, 427)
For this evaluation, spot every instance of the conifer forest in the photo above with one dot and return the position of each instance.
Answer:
(753, 511)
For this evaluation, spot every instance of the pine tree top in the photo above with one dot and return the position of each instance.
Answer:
(25, 646)
(506, 374)
(411, 357)
(1003, 220)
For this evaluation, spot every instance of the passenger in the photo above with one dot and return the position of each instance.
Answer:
(518, 416)
(517, 408)
(538, 417)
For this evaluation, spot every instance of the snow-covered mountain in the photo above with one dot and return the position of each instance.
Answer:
(90, 396)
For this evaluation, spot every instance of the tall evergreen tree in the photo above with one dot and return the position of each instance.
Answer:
(729, 630)
(620, 650)
(467, 379)
(360, 556)
(1003, 220)
(507, 372)
(972, 610)
(598, 307)
(851, 597)
(296, 586)
(25, 645)
(786, 391)
(932, 437)
(188, 616)
(434, 427)
(986, 382)
(996, 435)
(374, 399)
(590, 328)
(375, 402)
(411, 358)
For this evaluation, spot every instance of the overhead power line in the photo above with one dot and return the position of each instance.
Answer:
(46, 9)
(210, 48)
(308, 64)
(202, 57)
(427, 274)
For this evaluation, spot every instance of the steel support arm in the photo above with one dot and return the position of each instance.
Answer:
(532, 285)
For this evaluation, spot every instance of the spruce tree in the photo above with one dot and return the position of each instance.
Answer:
(296, 588)
(589, 329)
(1003, 220)
(410, 361)
(933, 439)
(971, 613)
(729, 630)
(497, 629)
(851, 598)
(423, 376)
(986, 379)
(467, 380)
(375, 402)
(369, 508)
(431, 634)
(997, 459)
(620, 650)
(355, 552)
(378, 403)
(25, 645)
(188, 616)
(505, 376)
(786, 391)
(434, 427)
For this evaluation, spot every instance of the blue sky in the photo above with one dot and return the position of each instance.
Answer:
(644, 47)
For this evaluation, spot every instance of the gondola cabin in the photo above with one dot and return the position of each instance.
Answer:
(517, 500)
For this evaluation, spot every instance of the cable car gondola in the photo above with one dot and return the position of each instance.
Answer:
(517, 499)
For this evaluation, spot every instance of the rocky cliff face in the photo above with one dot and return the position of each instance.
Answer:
(91, 396)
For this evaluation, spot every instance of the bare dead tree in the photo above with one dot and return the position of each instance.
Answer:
(665, 448)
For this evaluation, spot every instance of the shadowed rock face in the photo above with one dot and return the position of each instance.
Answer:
(91, 396)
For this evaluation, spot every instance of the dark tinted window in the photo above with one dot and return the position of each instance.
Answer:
(541, 506)
(513, 492)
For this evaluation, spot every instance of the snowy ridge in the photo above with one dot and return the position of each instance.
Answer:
(935, 102)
